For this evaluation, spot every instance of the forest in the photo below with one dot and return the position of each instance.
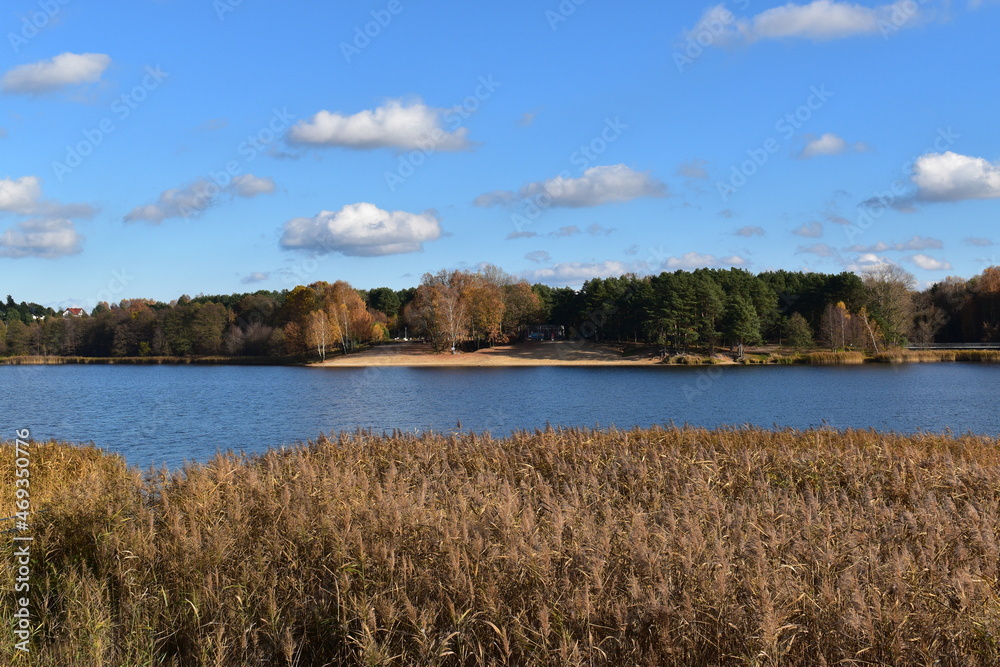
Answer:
(680, 312)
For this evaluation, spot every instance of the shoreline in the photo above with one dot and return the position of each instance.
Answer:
(554, 353)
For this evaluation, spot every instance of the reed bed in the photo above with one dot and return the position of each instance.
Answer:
(918, 356)
(833, 358)
(662, 546)
(52, 360)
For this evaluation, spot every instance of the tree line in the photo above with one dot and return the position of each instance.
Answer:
(678, 312)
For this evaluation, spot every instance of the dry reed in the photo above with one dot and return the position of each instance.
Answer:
(568, 547)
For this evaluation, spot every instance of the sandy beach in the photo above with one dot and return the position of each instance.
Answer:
(549, 353)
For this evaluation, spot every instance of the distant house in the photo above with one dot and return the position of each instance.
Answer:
(74, 312)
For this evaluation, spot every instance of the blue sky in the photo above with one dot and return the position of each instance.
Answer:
(163, 147)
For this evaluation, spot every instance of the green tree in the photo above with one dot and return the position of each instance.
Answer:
(798, 332)
(18, 337)
(742, 324)
(384, 300)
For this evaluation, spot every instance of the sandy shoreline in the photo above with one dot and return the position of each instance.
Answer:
(551, 353)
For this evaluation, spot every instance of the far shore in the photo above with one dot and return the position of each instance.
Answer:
(586, 353)
(549, 353)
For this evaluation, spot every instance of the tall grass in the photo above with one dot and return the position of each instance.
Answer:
(566, 547)
(52, 360)
(834, 358)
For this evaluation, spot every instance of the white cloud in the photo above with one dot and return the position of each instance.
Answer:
(929, 263)
(576, 273)
(694, 260)
(597, 185)
(192, 200)
(248, 185)
(750, 231)
(820, 20)
(393, 125)
(809, 230)
(978, 241)
(949, 176)
(19, 195)
(41, 237)
(697, 260)
(694, 169)
(361, 230)
(868, 261)
(45, 76)
(565, 232)
(821, 249)
(23, 196)
(255, 277)
(538, 256)
(830, 144)
(495, 198)
(915, 243)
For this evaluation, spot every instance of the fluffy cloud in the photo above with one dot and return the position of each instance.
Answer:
(948, 176)
(750, 231)
(394, 125)
(697, 260)
(819, 20)
(495, 198)
(41, 237)
(576, 273)
(255, 277)
(809, 230)
(538, 256)
(361, 230)
(599, 230)
(66, 69)
(597, 185)
(978, 242)
(830, 144)
(915, 243)
(192, 200)
(820, 249)
(249, 185)
(19, 195)
(867, 262)
(929, 263)
(23, 196)
(694, 169)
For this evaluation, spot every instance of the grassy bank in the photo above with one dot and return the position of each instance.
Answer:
(662, 546)
(826, 357)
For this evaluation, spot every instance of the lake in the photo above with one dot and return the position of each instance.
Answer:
(169, 414)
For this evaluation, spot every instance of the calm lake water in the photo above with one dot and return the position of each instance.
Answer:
(169, 414)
